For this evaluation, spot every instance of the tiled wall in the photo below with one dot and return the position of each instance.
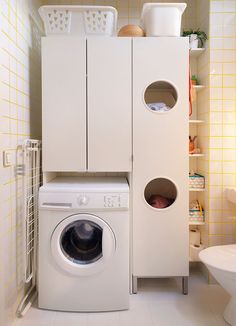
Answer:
(20, 112)
(222, 119)
(129, 11)
(20, 103)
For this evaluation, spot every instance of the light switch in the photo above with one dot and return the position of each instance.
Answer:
(7, 158)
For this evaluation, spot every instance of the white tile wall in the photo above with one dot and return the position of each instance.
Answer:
(222, 112)
(20, 114)
(19, 105)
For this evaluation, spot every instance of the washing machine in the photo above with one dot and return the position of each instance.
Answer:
(84, 244)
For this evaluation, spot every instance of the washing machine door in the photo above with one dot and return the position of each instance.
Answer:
(83, 244)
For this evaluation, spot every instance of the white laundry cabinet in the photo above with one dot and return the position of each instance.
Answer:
(160, 167)
(86, 104)
(98, 100)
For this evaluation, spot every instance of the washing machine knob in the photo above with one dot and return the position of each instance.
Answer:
(83, 200)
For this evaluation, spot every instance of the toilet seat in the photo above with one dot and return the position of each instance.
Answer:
(220, 257)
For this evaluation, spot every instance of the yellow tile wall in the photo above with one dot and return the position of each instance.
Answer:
(20, 105)
(222, 117)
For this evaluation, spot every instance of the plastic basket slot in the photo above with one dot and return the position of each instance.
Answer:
(58, 21)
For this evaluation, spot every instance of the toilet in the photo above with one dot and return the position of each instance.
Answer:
(221, 262)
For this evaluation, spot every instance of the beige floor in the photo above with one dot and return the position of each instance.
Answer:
(159, 302)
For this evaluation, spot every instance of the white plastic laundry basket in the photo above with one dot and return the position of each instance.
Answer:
(162, 19)
(79, 20)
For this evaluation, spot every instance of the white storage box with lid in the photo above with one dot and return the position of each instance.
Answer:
(162, 19)
(79, 20)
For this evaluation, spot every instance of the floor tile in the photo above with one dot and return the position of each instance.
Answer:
(103, 319)
(159, 302)
(70, 319)
(36, 317)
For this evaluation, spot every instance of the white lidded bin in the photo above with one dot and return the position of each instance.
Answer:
(79, 20)
(162, 19)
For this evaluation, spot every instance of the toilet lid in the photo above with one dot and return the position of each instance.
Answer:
(220, 257)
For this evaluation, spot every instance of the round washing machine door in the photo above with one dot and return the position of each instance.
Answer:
(83, 244)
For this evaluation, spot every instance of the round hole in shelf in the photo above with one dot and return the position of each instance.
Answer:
(160, 193)
(160, 96)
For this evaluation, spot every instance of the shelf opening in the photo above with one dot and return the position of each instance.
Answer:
(160, 193)
(160, 96)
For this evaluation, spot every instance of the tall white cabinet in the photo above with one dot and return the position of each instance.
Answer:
(160, 167)
(86, 104)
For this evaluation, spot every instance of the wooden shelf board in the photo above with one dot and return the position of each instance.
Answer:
(196, 121)
(198, 87)
(196, 189)
(196, 223)
(194, 53)
(196, 155)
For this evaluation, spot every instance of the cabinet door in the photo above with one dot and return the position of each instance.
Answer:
(160, 77)
(64, 103)
(109, 104)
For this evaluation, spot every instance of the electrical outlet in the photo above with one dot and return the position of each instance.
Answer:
(7, 158)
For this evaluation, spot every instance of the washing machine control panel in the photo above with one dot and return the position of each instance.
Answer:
(102, 200)
(112, 201)
(83, 200)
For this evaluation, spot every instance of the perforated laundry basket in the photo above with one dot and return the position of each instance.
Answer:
(79, 20)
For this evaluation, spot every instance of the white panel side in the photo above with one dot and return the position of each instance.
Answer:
(64, 103)
(109, 104)
(160, 239)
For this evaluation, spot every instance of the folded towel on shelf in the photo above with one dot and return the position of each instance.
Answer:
(160, 107)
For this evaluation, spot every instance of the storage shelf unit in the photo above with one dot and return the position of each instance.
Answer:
(151, 225)
(196, 194)
(77, 76)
